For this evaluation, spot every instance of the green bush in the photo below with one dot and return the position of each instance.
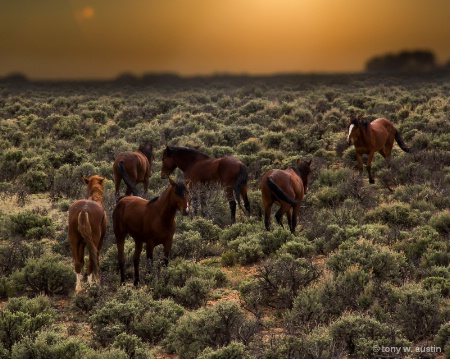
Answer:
(232, 351)
(32, 225)
(47, 274)
(22, 318)
(396, 214)
(132, 345)
(441, 222)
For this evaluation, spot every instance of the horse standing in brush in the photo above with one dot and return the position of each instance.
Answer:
(150, 222)
(370, 137)
(200, 168)
(133, 167)
(87, 227)
(286, 188)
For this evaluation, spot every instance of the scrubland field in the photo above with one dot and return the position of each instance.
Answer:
(365, 275)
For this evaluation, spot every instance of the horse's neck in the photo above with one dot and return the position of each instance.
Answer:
(364, 132)
(302, 175)
(186, 162)
(146, 155)
(166, 209)
(96, 195)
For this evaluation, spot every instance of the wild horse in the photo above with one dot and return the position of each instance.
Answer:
(150, 222)
(133, 167)
(87, 227)
(200, 168)
(370, 137)
(286, 188)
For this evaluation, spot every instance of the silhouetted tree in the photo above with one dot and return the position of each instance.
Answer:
(405, 61)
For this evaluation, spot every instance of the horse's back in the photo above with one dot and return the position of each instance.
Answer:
(287, 180)
(96, 216)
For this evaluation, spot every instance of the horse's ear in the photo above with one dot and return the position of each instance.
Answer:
(188, 183)
(172, 182)
(168, 150)
(85, 179)
(309, 163)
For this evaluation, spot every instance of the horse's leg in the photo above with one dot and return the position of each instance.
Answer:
(369, 166)
(146, 183)
(267, 212)
(295, 214)
(245, 198)
(279, 216)
(284, 209)
(149, 251)
(167, 247)
(117, 180)
(231, 202)
(120, 241)
(360, 162)
(136, 258)
(79, 262)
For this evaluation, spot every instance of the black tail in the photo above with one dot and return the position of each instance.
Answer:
(401, 143)
(126, 179)
(280, 193)
(241, 180)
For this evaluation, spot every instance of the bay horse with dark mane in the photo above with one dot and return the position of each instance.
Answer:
(370, 137)
(286, 188)
(201, 169)
(150, 222)
(87, 227)
(133, 167)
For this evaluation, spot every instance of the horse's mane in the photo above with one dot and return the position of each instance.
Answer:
(191, 152)
(154, 199)
(147, 150)
(302, 170)
(96, 193)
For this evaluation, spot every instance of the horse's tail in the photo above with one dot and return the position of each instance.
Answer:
(84, 228)
(401, 143)
(280, 193)
(240, 187)
(126, 179)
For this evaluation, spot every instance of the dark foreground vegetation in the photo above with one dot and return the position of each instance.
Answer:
(367, 268)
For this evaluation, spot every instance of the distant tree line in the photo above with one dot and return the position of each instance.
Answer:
(405, 61)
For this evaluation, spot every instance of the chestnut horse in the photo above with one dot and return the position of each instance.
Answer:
(370, 137)
(286, 188)
(87, 227)
(150, 222)
(200, 168)
(133, 167)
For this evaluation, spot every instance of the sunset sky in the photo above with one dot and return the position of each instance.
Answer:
(83, 39)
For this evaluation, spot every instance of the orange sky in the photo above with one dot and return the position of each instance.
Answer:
(73, 39)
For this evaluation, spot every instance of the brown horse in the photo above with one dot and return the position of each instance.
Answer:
(286, 188)
(87, 227)
(200, 168)
(370, 137)
(151, 222)
(133, 167)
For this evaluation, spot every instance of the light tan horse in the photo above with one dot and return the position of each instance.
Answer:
(87, 227)
(370, 137)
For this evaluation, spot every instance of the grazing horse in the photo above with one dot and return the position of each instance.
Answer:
(370, 137)
(87, 227)
(286, 188)
(200, 168)
(150, 222)
(133, 167)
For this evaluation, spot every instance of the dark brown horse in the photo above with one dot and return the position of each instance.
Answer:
(200, 168)
(133, 167)
(150, 222)
(87, 227)
(370, 137)
(286, 188)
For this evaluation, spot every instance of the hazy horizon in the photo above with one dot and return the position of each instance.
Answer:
(95, 39)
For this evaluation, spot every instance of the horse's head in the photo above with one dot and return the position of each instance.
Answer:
(181, 195)
(168, 162)
(355, 122)
(94, 186)
(147, 150)
(304, 168)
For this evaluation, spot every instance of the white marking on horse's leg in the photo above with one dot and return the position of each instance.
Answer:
(78, 286)
(350, 129)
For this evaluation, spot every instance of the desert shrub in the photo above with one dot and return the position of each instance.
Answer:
(441, 222)
(299, 247)
(248, 249)
(9, 164)
(416, 310)
(279, 280)
(442, 339)
(234, 350)
(31, 225)
(132, 346)
(187, 283)
(47, 274)
(13, 256)
(358, 335)
(439, 283)
(395, 214)
(213, 327)
(37, 181)
(333, 235)
(87, 299)
(380, 261)
(50, 345)
(23, 318)
(67, 127)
